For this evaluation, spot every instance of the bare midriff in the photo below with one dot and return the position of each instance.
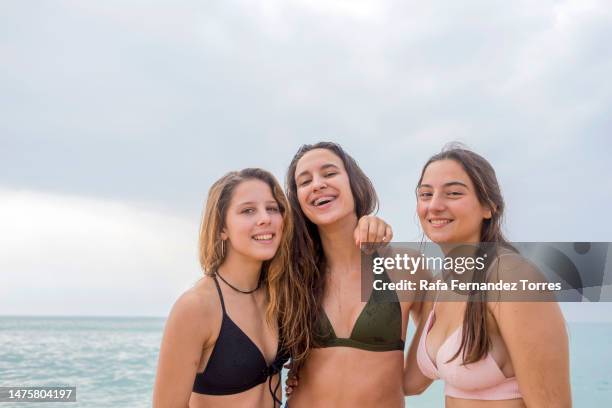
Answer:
(470, 403)
(349, 377)
(256, 397)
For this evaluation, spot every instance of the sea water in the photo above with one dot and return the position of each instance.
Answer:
(112, 361)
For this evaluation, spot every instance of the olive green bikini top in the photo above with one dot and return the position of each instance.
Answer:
(378, 327)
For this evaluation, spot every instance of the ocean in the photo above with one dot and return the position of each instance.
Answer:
(112, 360)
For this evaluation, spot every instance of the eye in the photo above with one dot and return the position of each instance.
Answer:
(425, 194)
(331, 174)
(248, 210)
(304, 183)
(273, 209)
(455, 193)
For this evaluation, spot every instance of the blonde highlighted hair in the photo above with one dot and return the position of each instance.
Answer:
(274, 271)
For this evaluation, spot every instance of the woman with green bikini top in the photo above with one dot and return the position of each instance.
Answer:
(378, 327)
(345, 352)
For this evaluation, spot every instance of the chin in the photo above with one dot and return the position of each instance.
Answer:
(328, 219)
(440, 238)
(265, 255)
(323, 221)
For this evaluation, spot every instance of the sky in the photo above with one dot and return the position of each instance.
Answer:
(117, 116)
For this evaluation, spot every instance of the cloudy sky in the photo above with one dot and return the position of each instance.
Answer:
(116, 116)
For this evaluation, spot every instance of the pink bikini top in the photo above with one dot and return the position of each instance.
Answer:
(482, 380)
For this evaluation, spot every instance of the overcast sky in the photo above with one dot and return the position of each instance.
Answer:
(116, 116)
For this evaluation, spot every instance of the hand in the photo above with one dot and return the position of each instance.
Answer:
(290, 383)
(374, 231)
(292, 380)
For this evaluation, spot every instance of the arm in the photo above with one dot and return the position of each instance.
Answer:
(536, 338)
(537, 342)
(416, 312)
(422, 304)
(414, 380)
(374, 230)
(185, 336)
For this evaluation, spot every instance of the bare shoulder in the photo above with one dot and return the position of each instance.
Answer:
(198, 309)
(409, 254)
(399, 268)
(393, 249)
(511, 266)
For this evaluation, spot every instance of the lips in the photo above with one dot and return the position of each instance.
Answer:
(263, 237)
(319, 201)
(439, 222)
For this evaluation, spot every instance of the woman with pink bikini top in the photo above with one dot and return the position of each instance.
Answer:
(490, 354)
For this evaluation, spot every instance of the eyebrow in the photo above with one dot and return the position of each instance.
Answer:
(254, 203)
(449, 184)
(323, 167)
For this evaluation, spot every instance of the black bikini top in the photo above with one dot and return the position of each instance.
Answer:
(236, 364)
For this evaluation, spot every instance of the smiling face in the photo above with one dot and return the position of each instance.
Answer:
(253, 222)
(447, 204)
(323, 187)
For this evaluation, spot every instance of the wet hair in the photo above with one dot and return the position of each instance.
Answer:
(309, 258)
(475, 339)
(275, 270)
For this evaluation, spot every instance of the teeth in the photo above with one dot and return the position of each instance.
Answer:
(322, 200)
(263, 237)
(439, 222)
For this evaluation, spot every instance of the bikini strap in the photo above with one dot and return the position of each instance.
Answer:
(220, 293)
(273, 392)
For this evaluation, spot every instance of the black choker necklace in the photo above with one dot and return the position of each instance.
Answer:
(246, 292)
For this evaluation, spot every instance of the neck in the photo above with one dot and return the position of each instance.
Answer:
(461, 248)
(465, 250)
(339, 246)
(242, 272)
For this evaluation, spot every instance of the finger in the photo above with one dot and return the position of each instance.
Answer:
(373, 229)
(363, 229)
(388, 234)
(381, 232)
(379, 239)
(371, 236)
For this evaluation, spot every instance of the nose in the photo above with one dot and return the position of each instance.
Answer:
(437, 203)
(318, 183)
(264, 217)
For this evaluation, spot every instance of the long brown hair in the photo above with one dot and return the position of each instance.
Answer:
(475, 339)
(274, 271)
(309, 260)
